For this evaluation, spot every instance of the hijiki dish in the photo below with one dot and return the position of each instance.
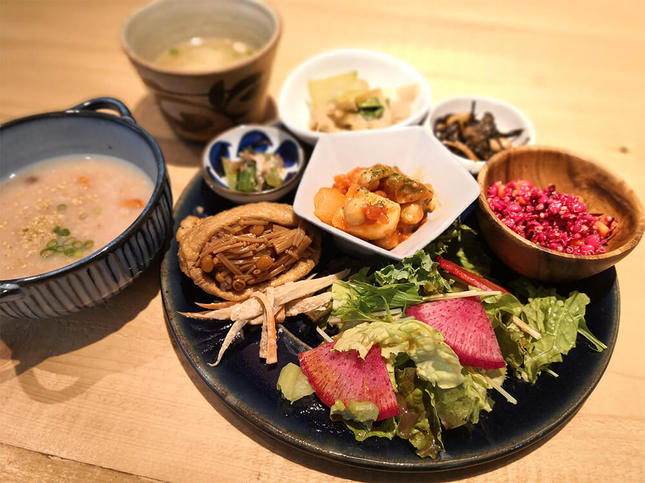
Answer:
(472, 138)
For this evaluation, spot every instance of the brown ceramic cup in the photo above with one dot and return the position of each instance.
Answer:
(200, 104)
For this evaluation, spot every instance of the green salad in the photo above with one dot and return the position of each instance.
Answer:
(416, 348)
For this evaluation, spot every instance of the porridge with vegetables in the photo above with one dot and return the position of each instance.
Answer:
(63, 209)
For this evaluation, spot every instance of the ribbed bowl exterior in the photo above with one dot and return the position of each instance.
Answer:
(92, 280)
(116, 267)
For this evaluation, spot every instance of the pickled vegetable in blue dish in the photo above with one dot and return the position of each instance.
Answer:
(254, 171)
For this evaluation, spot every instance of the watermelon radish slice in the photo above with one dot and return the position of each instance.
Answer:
(345, 376)
(465, 328)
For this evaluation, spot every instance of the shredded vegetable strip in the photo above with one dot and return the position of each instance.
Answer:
(458, 295)
(526, 327)
(324, 335)
(216, 305)
(499, 389)
(268, 350)
(230, 337)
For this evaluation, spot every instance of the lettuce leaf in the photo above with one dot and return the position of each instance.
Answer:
(436, 362)
(359, 411)
(557, 319)
(418, 419)
(382, 429)
(463, 404)
(293, 383)
(498, 305)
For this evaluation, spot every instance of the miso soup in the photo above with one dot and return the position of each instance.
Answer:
(203, 53)
(60, 210)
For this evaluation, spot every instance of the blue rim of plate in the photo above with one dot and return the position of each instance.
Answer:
(247, 386)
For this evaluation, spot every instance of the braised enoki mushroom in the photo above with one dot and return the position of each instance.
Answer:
(246, 249)
(252, 251)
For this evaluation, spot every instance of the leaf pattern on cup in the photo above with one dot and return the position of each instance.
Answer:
(243, 86)
(242, 91)
(193, 122)
(217, 95)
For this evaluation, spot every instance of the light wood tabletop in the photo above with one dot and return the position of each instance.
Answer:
(103, 395)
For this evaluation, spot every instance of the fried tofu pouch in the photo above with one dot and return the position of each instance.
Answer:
(194, 233)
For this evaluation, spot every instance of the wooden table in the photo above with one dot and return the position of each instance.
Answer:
(102, 394)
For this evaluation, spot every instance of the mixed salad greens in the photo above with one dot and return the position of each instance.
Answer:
(374, 337)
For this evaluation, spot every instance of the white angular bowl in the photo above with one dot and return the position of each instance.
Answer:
(416, 152)
(378, 69)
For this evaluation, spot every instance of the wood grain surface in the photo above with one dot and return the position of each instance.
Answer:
(104, 395)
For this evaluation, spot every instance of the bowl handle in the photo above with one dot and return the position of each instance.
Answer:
(105, 103)
(9, 292)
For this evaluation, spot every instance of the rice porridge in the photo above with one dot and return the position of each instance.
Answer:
(60, 210)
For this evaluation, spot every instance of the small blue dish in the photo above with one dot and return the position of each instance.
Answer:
(261, 138)
(84, 130)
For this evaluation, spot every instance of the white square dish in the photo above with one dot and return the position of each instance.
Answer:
(417, 153)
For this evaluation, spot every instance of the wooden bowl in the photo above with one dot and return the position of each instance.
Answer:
(601, 191)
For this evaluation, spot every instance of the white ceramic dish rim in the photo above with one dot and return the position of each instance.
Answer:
(364, 246)
(234, 194)
(311, 136)
(475, 166)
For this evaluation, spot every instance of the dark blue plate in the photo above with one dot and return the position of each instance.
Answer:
(248, 386)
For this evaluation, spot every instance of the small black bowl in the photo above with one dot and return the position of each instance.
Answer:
(104, 273)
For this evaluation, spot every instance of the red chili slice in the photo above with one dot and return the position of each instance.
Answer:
(469, 277)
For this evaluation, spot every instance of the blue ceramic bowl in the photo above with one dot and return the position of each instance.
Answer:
(93, 279)
(261, 138)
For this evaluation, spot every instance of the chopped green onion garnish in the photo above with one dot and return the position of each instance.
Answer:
(61, 231)
(47, 252)
(88, 244)
(62, 207)
(51, 244)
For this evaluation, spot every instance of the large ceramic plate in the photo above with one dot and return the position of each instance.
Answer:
(248, 386)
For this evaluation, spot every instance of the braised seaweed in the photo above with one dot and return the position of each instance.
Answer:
(476, 139)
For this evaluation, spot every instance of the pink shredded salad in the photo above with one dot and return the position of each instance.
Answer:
(554, 220)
